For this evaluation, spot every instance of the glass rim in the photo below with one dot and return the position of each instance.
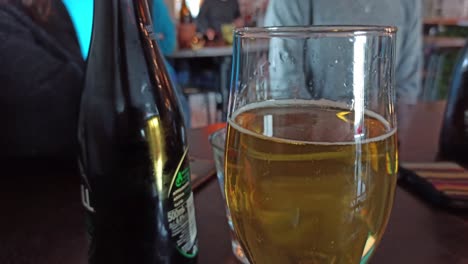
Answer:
(321, 30)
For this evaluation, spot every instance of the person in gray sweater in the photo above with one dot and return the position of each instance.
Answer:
(214, 13)
(406, 15)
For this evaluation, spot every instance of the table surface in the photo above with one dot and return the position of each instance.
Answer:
(42, 217)
(213, 51)
(217, 51)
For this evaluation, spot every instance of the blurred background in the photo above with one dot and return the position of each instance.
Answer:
(201, 57)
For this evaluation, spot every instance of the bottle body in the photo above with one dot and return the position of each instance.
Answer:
(454, 136)
(133, 152)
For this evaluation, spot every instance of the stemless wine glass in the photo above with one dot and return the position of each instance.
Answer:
(311, 156)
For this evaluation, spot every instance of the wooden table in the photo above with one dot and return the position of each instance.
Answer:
(42, 217)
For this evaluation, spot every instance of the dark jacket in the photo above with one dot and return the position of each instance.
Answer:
(41, 72)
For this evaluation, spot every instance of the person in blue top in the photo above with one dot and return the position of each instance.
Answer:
(164, 27)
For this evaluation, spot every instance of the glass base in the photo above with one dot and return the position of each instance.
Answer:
(238, 252)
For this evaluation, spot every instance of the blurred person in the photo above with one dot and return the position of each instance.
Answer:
(164, 27)
(261, 10)
(214, 13)
(41, 73)
(405, 14)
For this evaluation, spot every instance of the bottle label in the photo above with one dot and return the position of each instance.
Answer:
(181, 214)
(87, 202)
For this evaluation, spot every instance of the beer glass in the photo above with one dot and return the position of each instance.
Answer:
(311, 153)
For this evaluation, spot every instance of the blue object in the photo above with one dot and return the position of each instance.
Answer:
(81, 13)
(164, 27)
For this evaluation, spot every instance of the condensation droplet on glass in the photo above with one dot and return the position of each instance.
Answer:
(351, 40)
(143, 88)
(336, 61)
(292, 60)
(283, 56)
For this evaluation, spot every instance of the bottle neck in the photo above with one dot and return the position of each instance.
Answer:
(106, 17)
(116, 22)
(185, 15)
(124, 49)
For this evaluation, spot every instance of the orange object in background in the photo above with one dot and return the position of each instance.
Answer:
(186, 29)
(185, 16)
(185, 34)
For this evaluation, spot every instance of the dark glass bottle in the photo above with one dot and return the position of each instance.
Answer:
(454, 135)
(185, 16)
(133, 152)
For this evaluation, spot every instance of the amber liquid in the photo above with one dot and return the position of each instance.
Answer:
(309, 182)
